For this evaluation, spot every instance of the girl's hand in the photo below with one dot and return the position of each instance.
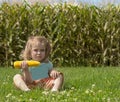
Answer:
(54, 73)
(24, 65)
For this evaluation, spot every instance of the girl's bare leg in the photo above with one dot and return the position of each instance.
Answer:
(58, 83)
(20, 83)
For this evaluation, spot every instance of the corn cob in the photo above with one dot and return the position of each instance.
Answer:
(17, 64)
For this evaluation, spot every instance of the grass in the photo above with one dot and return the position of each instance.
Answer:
(82, 84)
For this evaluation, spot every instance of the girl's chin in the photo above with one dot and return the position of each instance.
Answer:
(37, 60)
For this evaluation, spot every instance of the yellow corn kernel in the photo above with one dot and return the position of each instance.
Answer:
(17, 64)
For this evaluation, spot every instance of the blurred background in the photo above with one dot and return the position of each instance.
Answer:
(90, 2)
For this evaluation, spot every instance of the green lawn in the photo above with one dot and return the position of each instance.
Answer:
(82, 84)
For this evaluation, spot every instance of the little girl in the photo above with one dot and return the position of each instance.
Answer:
(44, 76)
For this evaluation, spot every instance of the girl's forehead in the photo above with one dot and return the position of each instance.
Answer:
(38, 44)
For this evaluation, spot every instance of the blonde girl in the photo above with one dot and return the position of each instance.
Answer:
(44, 76)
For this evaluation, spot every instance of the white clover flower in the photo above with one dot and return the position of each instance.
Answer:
(93, 85)
(45, 92)
(4, 83)
(99, 91)
(13, 97)
(87, 91)
(30, 99)
(75, 99)
(63, 92)
(108, 100)
(68, 94)
(8, 95)
(72, 88)
(21, 95)
(103, 98)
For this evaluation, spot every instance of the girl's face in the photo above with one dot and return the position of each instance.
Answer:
(38, 52)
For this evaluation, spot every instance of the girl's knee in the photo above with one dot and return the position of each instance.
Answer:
(17, 77)
(61, 76)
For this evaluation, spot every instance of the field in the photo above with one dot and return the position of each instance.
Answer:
(82, 84)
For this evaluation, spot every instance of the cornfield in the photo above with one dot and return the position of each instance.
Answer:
(80, 35)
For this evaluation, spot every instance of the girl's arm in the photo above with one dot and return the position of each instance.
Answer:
(25, 71)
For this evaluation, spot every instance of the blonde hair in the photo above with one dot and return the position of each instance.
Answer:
(31, 42)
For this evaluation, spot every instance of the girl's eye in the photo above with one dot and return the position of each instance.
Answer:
(36, 50)
(42, 50)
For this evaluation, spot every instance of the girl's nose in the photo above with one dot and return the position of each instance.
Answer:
(38, 52)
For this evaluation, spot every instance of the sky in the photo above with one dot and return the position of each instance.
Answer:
(95, 2)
